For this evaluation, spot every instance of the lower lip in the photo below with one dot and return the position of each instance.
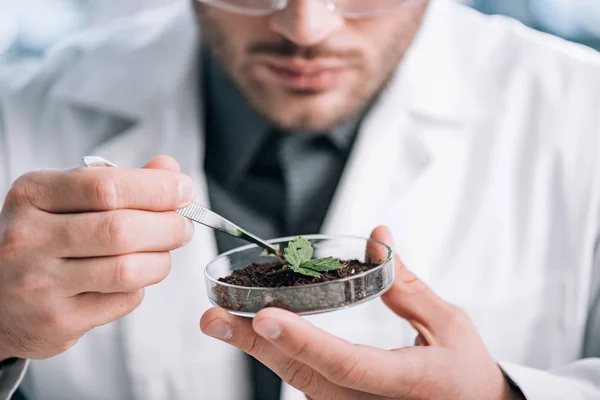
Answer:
(316, 81)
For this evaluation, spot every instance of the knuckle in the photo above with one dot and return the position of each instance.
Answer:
(251, 344)
(459, 319)
(30, 282)
(21, 236)
(418, 388)
(168, 189)
(105, 192)
(348, 372)
(134, 299)
(302, 378)
(14, 236)
(54, 321)
(300, 349)
(21, 191)
(125, 276)
(127, 303)
(71, 233)
(412, 284)
(164, 267)
(116, 229)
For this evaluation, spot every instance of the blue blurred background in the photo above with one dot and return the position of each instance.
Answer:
(576, 20)
(29, 27)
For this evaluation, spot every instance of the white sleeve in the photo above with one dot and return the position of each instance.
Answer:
(576, 381)
(11, 375)
(11, 371)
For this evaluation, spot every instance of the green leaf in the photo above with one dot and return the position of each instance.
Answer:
(305, 271)
(298, 251)
(322, 264)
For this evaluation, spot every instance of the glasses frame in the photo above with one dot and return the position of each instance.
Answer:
(279, 5)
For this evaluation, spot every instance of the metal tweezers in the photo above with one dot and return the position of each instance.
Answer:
(201, 214)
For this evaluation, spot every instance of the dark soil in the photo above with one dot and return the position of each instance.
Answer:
(272, 275)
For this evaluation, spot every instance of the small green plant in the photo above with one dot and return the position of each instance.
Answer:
(299, 255)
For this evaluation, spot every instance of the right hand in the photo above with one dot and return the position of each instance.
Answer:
(78, 247)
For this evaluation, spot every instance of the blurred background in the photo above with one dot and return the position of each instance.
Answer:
(576, 20)
(29, 27)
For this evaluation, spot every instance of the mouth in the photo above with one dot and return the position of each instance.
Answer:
(299, 74)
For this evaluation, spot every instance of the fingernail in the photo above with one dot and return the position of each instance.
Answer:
(186, 189)
(189, 231)
(219, 330)
(268, 329)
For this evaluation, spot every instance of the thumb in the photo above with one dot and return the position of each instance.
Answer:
(437, 321)
(163, 162)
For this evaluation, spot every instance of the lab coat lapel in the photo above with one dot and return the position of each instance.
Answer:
(425, 113)
(165, 354)
(156, 343)
(414, 138)
(387, 155)
(126, 78)
(163, 345)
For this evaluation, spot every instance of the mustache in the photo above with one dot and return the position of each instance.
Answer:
(286, 48)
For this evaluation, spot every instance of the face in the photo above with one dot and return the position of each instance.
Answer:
(306, 67)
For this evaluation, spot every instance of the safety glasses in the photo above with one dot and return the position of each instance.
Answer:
(346, 8)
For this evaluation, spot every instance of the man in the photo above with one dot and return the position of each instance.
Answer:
(474, 139)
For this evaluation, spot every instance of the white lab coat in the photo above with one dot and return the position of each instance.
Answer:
(482, 156)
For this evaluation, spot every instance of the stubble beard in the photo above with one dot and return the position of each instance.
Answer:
(350, 105)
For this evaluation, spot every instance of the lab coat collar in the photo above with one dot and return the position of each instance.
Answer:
(139, 66)
(169, 124)
(436, 75)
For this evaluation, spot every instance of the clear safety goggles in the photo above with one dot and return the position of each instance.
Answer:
(346, 8)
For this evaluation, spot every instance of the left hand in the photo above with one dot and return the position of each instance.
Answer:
(448, 361)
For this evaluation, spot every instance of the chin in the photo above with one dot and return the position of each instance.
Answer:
(304, 120)
(316, 112)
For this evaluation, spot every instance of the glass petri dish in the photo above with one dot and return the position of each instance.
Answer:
(307, 299)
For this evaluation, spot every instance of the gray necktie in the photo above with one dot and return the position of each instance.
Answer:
(311, 168)
(286, 192)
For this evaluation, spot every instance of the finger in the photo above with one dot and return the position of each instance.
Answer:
(121, 274)
(103, 189)
(97, 309)
(163, 162)
(375, 252)
(238, 332)
(352, 366)
(114, 233)
(439, 322)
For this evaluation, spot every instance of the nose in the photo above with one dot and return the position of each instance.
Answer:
(306, 22)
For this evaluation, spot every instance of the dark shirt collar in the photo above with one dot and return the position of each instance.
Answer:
(235, 133)
(343, 136)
